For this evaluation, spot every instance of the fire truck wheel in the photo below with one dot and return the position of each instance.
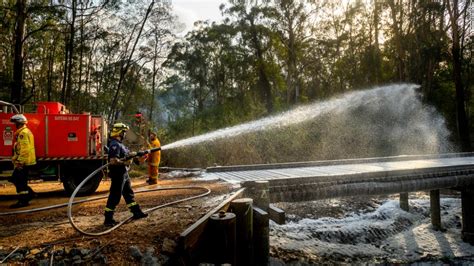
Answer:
(73, 175)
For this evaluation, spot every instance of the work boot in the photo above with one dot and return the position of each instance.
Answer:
(137, 212)
(151, 181)
(109, 219)
(19, 204)
(31, 194)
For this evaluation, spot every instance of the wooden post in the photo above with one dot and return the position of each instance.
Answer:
(467, 202)
(404, 201)
(242, 208)
(435, 209)
(261, 236)
(276, 214)
(222, 240)
(259, 191)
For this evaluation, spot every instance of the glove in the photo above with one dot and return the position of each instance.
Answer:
(141, 153)
(128, 162)
(18, 165)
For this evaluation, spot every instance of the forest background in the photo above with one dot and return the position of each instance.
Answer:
(118, 57)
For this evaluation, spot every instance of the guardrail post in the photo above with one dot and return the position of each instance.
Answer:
(467, 202)
(404, 201)
(261, 236)
(435, 210)
(222, 240)
(244, 224)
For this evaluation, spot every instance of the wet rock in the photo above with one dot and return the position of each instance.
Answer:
(75, 252)
(43, 263)
(59, 253)
(60, 263)
(3, 253)
(135, 252)
(164, 260)
(78, 262)
(101, 259)
(23, 251)
(16, 256)
(148, 258)
(169, 246)
(34, 251)
(84, 251)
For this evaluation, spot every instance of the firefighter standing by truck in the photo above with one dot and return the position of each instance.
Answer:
(118, 173)
(23, 159)
(153, 159)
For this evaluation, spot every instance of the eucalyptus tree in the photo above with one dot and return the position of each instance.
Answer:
(159, 38)
(76, 15)
(251, 19)
(22, 20)
(128, 60)
(460, 25)
(293, 21)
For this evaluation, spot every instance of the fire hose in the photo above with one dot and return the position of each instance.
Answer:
(73, 195)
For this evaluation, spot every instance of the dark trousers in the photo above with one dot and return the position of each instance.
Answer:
(120, 186)
(20, 180)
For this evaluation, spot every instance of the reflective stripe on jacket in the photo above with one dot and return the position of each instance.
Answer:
(24, 148)
(154, 157)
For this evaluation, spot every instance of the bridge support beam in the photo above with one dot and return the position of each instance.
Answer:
(435, 209)
(404, 201)
(467, 198)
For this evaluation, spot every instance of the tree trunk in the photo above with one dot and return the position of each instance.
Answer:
(17, 89)
(462, 121)
(263, 83)
(67, 79)
(113, 113)
(153, 83)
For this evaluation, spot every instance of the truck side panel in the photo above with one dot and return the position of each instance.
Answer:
(68, 135)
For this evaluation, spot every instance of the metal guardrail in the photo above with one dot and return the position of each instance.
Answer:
(328, 179)
(334, 162)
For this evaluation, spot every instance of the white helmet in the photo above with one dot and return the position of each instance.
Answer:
(19, 118)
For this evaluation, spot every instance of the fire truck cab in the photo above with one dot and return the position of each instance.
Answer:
(68, 146)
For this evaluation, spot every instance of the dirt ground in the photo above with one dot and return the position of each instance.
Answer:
(39, 234)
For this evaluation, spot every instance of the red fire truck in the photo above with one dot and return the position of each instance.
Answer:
(68, 146)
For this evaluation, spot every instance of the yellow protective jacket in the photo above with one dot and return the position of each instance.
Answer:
(24, 148)
(154, 157)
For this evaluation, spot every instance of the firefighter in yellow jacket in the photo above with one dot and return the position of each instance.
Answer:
(153, 159)
(23, 159)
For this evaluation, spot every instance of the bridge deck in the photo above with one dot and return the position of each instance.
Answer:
(325, 172)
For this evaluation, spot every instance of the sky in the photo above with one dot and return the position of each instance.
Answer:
(190, 11)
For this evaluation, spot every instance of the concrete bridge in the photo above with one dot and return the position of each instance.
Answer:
(306, 181)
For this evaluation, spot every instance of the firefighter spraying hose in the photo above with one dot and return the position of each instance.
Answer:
(71, 199)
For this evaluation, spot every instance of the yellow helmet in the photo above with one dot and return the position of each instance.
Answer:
(118, 128)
